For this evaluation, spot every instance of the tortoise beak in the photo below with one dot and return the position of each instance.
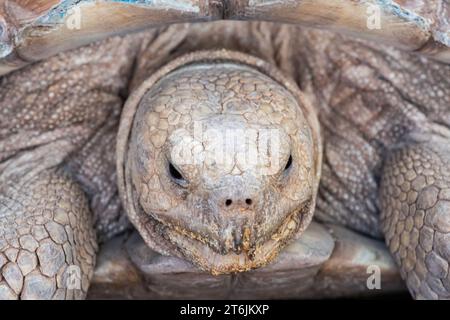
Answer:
(250, 256)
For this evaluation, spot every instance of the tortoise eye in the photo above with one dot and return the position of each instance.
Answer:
(288, 163)
(176, 175)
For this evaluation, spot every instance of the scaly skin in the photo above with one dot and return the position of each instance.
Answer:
(47, 241)
(369, 100)
(415, 200)
(246, 148)
(51, 189)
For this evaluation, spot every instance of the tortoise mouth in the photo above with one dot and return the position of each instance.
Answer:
(197, 249)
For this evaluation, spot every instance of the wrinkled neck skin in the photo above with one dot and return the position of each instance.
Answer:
(219, 161)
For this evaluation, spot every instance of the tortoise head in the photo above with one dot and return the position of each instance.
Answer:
(219, 161)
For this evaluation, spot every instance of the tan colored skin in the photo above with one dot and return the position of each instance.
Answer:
(223, 212)
(369, 100)
(45, 242)
(48, 131)
(415, 200)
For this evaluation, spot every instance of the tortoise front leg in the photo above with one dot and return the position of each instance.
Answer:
(415, 200)
(421, 27)
(47, 241)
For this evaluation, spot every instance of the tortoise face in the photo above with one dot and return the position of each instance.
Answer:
(221, 166)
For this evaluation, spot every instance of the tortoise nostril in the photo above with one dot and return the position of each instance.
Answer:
(229, 202)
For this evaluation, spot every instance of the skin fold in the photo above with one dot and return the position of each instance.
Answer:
(384, 120)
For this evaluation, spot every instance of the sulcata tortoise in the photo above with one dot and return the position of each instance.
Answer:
(220, 142)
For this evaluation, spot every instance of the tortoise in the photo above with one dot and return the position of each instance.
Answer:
(219, 142)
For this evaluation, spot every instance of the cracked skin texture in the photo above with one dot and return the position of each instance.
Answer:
(370, 100)
(241, 213)
(42, 241)
(415, 197)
